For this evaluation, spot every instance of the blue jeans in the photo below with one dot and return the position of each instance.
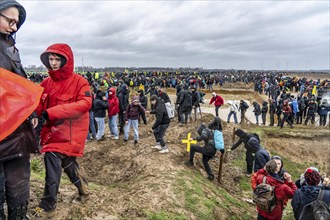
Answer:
(91, 126)
(135, 124)
(257, 119)
(100, 127)
(229, 116)
(113, 127)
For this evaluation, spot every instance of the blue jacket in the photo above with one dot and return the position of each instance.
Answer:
(261, 155)
(305, 195)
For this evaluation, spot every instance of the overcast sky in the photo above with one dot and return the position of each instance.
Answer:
(208, 34)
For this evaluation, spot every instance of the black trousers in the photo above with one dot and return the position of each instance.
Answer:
(271, 117)
(15, 183)
(311, 117)
(196, 148)
(249, 158)
(286, 118)
(54, 163)
(159, 134)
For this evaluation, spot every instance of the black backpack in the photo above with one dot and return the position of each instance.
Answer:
(316, 210)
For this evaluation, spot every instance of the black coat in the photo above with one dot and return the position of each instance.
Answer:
(100, 106)
(206, 135)
(22, 141)
(161, 114)
(185, 102)
(304, 196)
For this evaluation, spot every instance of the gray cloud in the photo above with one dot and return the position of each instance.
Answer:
(209, 34)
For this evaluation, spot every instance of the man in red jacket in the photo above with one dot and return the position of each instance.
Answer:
(218, 102)
(64, 105)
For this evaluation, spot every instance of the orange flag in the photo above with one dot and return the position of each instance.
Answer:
(19, 97)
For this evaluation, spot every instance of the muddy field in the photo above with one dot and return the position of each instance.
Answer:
(136, 182)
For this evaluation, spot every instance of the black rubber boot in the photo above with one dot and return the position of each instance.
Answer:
(18, 213)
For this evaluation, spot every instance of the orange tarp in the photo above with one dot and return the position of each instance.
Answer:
(19, 97)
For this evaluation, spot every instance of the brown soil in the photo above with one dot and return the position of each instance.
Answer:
(127, 179)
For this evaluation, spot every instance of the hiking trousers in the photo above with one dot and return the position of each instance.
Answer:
(54, 162)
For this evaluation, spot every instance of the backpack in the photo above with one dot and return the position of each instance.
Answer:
(169, 110)
(245, 105)
(264, 196)
(218, 140)
(316, 210)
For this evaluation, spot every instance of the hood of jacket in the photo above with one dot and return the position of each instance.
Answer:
(66, 70)
(215, 124)
(240, 133)
(99, 94)
(200, 129)
(253, 144)
(113, 90)
(4, 4)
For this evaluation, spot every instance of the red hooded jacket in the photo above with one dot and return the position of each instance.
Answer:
(218, 100)
(67, 100)
(283, 192)
(113, 103)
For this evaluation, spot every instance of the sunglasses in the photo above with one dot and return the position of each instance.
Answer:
(10, 21)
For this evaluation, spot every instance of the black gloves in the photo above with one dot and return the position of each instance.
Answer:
(45, 115)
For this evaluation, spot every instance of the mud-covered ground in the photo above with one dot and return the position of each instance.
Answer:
(131, 181)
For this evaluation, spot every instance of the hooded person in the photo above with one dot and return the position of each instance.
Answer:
(100, 107)
(64, 105)
(244, 138)
(309, 192)
(143, 99)
(16, 146)
(208, 150)
(113, 111)
(261, 154)
(283, 189)
(132, 114)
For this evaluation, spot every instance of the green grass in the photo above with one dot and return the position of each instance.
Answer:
(37, 168)
(201, 196)
(163, 215)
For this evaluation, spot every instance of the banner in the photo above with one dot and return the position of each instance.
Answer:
(19, 97)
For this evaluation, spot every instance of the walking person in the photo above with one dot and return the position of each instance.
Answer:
(243, 106)
(233, 109)
(272, 111)
(161, 124)
(15, 148)
(64, 105)
(218, 102)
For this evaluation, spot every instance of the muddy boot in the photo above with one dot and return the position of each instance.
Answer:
(18, 213)
(82, 187)
(189, 163)
(211, 177)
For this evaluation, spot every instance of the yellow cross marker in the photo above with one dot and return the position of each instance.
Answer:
(188, 142)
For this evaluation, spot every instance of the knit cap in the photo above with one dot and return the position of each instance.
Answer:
(312, 177)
